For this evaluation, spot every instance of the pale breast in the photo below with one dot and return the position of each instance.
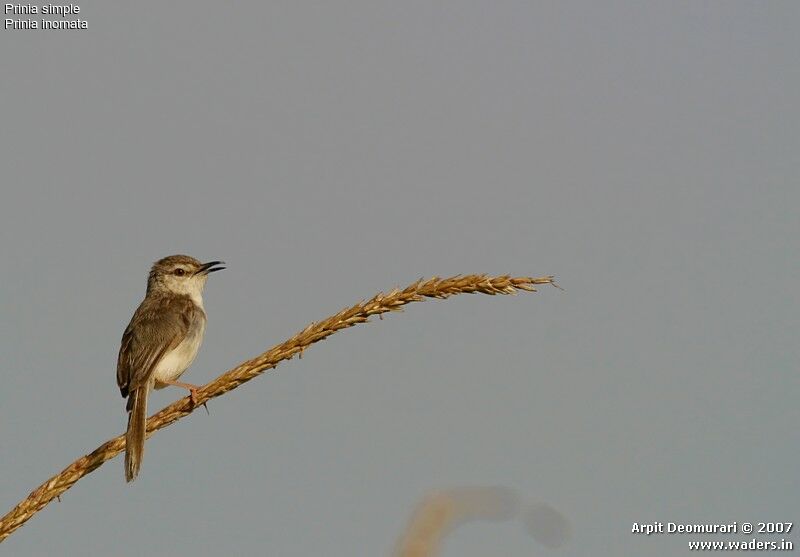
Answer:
(174, 363)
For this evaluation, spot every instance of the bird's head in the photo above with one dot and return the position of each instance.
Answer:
(181, 274)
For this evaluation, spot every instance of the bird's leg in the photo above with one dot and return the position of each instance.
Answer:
(192, 391)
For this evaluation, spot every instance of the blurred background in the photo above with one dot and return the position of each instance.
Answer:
(644, 153)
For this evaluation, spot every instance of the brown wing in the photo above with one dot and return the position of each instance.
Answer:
(158, 326)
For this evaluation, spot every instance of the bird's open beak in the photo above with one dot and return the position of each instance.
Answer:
(210, 267)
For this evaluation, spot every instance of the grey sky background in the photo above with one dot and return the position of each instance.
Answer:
(644, 153)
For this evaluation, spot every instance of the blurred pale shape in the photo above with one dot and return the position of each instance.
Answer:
(441, 511)
(547, 526)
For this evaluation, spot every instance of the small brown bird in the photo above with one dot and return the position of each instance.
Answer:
(161, 342)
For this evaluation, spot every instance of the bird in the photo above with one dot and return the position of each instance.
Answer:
(161, 342)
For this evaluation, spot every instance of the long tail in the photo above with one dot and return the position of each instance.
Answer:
(134, 438)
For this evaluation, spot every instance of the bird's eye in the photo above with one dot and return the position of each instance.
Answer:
(179, 272)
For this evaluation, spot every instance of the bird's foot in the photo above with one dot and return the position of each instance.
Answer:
(194, 397)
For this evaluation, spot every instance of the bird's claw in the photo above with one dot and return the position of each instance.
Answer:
(193, 398)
